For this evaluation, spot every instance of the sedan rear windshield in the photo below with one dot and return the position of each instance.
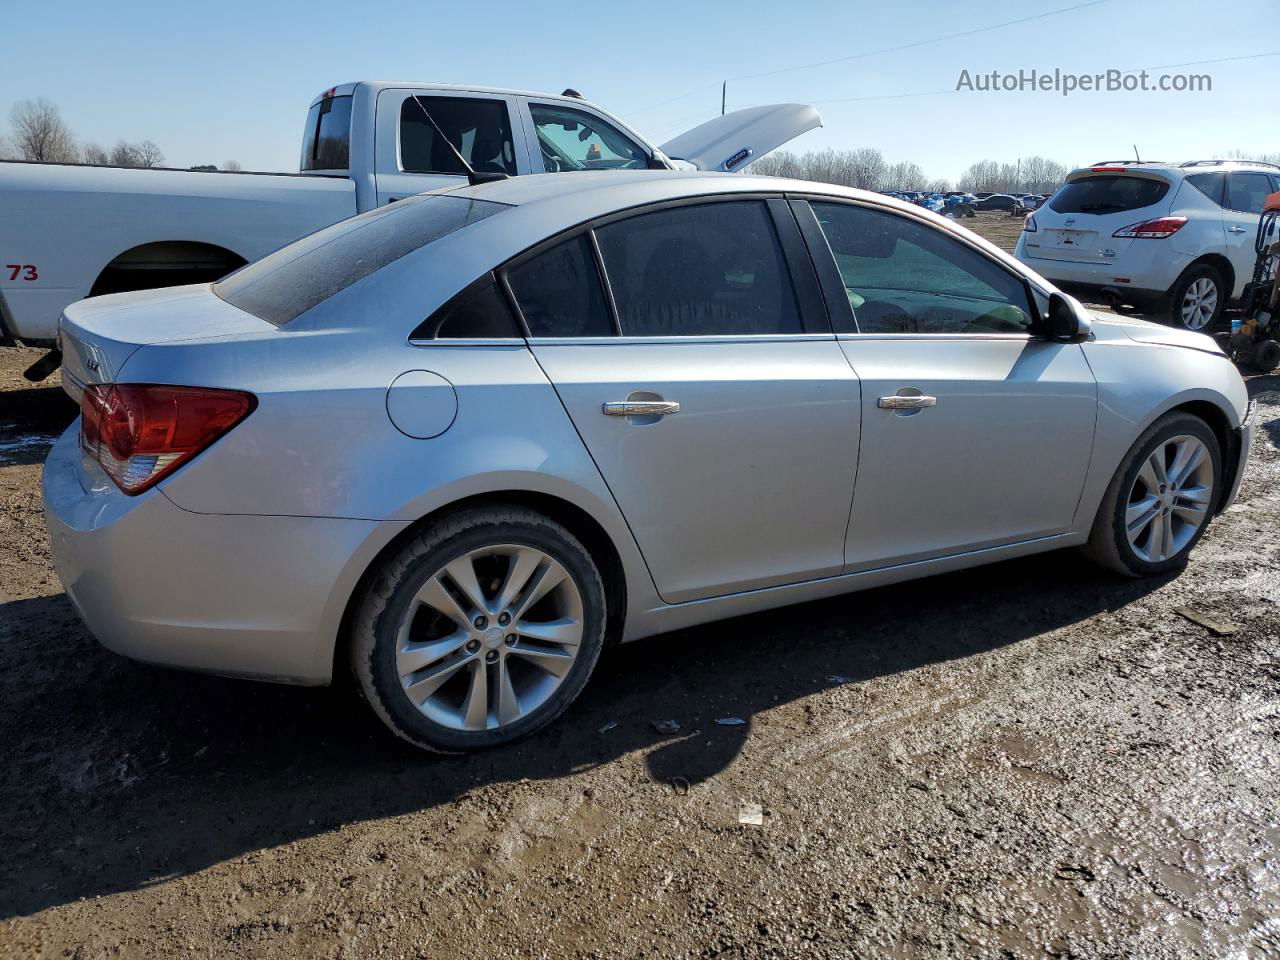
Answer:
(1108, 194)
(283, 285)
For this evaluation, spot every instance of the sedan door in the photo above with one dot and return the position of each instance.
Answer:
(975, 432)
(707, 385)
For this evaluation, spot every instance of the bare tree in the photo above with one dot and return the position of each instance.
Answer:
(6, 150)
(93, 153)
(125, 154)
(41, 134)
(866, 168)
(148, 154)
(232, 165)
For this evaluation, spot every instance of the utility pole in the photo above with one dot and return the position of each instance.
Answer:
(724, 91)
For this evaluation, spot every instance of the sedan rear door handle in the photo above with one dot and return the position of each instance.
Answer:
(911, 402)
(640, 408)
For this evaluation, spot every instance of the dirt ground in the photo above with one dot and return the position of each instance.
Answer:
(1026, 760)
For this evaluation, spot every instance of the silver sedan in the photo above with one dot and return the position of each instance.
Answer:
(461, 444)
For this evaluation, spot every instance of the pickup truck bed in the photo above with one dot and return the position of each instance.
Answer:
(63, 236)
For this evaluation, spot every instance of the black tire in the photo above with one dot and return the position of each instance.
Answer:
(372, 642)
(1108, 544)
(1171, 310)
(1266, 357)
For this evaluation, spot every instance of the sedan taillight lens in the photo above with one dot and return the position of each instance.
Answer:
(141, 433)
(1153, 229)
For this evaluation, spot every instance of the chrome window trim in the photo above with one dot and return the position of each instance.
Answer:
(694, 339)
(934, 337)
(469, 342)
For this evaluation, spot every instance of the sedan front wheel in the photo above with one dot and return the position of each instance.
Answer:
(1160, 500)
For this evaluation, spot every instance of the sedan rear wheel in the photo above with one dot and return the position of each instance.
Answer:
(480, 631)
(1160, 500)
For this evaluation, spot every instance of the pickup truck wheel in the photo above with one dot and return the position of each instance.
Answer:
(1197, 299)
(1160, 500)
(480, 631)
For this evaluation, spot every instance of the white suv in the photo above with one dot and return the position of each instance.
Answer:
(1175, 240)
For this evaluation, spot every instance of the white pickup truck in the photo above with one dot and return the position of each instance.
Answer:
(69, 231)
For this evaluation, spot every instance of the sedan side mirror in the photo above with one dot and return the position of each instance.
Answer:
(1062, 322)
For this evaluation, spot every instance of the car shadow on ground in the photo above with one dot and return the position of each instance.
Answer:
(120, 775)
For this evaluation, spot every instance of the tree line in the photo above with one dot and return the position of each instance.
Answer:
(38, 132)
(867, 169)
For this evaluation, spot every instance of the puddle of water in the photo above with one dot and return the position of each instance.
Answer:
(22, 448)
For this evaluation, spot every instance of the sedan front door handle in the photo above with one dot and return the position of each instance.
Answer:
(909, 402)
(640, 408)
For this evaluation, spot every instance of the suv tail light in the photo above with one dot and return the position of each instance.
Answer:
(1153, 229)
(141, 432)
(1029, 223)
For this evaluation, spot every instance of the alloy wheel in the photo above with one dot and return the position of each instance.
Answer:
(489, 637)
(1199, 303)
(1170, 498)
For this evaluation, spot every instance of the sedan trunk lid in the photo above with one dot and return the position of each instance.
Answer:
(99, 335)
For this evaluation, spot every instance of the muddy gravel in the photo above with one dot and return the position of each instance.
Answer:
(1026, 760)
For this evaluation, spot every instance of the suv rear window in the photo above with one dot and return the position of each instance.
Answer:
(1108, 194)
(326, 143)
(285, 284)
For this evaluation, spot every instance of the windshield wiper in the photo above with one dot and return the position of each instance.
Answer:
(1098, 207)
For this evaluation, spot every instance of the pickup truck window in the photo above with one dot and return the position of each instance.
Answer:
(327, 144)
(576, 140)
(283, 285)
(480, 129)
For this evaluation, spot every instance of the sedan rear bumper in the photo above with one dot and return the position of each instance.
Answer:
(239, 595)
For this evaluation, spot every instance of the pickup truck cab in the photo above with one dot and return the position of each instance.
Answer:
(69, 231)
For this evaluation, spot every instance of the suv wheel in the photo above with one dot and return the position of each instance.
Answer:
(1197, 299)
(1160, 500)
(479, 631)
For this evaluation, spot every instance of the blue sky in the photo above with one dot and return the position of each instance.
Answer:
(232, 80)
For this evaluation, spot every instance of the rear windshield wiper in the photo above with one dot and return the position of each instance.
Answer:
(1096, 207)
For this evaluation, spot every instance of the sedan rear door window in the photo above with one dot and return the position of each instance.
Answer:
(706, 269)
(559, 292)
(902, 276)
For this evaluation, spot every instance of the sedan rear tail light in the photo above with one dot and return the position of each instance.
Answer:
(1029, 223)
(1153, 229)
(141, 433)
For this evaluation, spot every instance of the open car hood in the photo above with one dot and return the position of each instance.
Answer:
(732, 141)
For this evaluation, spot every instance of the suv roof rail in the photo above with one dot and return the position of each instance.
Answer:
(1124, 163)
(1214, 163)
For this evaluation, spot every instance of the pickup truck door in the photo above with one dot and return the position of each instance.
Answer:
(568, 136)
(485, 127)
